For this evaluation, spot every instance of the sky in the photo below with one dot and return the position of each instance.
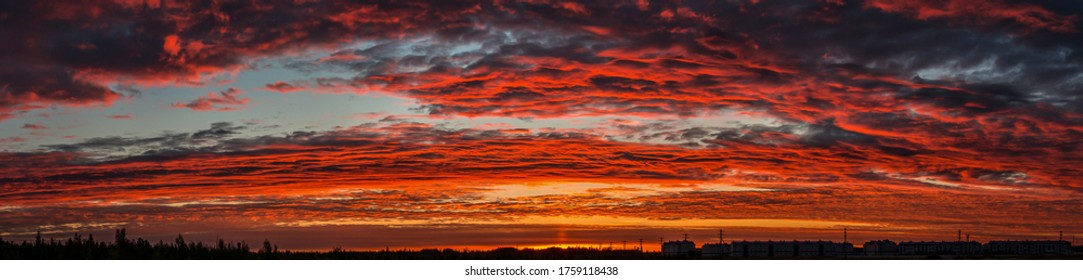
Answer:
(479, 124)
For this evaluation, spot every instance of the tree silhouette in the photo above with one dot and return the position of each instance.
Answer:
(78, 247)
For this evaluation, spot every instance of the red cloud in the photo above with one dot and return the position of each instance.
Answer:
(282, 87)
(33, 126)
(189, 44)
(574, 7)
(415, 172)
(224, 101)
(11, 140)
(981, 11)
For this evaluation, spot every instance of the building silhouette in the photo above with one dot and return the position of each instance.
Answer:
(880, 248)
(1029, 247)
(678, 248)
(940, 248)
(791, 249)
(715, 250)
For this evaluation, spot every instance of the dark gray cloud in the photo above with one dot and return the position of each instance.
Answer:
(168, 143)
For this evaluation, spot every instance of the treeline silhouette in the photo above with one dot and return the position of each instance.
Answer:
(79, 247)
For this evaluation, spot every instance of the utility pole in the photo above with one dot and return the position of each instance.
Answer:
(845, 235)
(1061, 236)
(685, 237)
(720, 240)
(960, 235)
(641, 245)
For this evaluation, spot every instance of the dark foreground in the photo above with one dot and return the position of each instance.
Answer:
(79, 247)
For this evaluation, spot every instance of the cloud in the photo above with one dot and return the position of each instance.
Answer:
(397, 149)
(172, 43)
(169, 143)
(681, 67)
(987, 12)
(282, 87)
(33, 126)
(12, 140)
(226, 100)
(395, 171)
(24, 88)
(921, 114)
